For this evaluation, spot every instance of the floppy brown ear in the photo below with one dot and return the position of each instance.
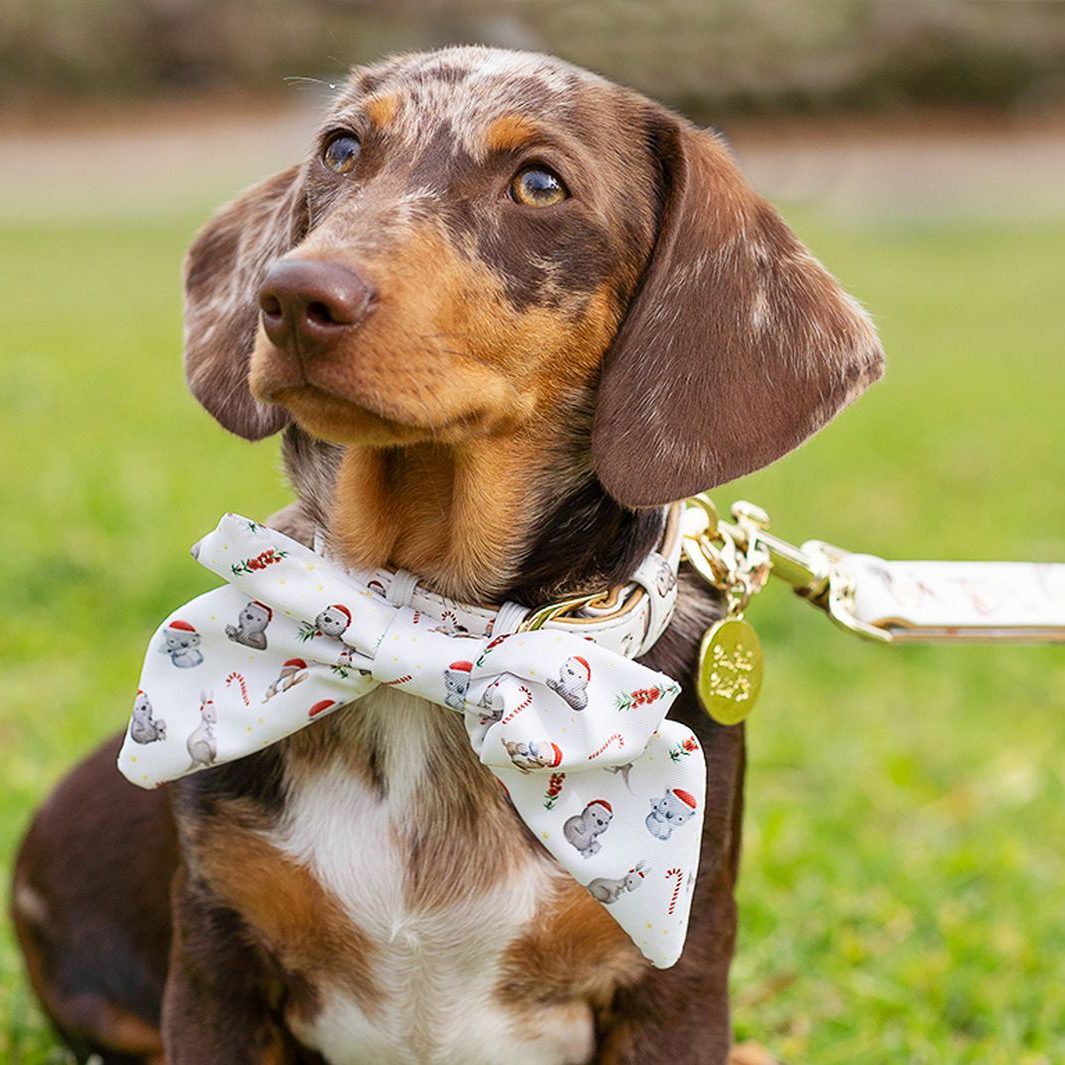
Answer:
(223, 271)
(737, 346)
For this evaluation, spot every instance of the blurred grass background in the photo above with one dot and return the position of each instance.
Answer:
(901, 895)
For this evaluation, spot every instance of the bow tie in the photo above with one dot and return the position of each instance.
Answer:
(576, 732)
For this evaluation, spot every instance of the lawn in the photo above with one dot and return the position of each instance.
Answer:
(901, 894)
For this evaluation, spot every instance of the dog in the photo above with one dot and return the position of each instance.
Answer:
(503, 312)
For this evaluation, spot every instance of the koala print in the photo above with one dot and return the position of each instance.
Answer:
(144, 728)
(201, 744)
(456, 681)
(572, 683)
(606, 890)
(292, 673)
(334, 620)
(670, 812)
(533, 754)
(583, 829)
(250, 628)
(182, 643)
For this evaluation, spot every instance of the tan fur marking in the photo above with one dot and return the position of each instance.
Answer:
(129, 1034)
(381, 110)
(508, 132)
(299, 922)
(575, 951)
(495, 388)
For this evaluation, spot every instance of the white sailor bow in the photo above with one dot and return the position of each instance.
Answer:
(575, 732)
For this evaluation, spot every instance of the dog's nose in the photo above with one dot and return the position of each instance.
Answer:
(307, 305)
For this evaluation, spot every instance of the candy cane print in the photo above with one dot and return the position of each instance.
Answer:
(610, 739)
(679, 874)
(399, 680)
(239, 678)
(523, 705)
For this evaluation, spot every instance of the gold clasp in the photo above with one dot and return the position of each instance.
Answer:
(838, 597)
(737, 557)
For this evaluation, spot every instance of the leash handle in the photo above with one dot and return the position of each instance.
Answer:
(889, 601)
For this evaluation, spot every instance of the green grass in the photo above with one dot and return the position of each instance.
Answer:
(901, 891)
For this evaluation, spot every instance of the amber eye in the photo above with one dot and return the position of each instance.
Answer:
(536, 186)
(342, 153)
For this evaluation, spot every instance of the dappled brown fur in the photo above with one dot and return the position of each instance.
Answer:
(520, 389)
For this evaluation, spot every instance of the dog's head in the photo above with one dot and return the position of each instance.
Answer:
(480, 239)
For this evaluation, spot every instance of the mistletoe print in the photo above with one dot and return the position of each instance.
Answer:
(685, 749)
(645, 696)
(270, 557)
(554, 790)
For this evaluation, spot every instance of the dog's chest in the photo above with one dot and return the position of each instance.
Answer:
(431, 867)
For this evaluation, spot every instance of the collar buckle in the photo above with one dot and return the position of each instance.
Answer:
(557, 610)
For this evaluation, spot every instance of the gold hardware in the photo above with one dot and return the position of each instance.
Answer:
(733, 559)
(538, 619)
(737, 557)
(729, 675)
(611, 603)
(838, 598)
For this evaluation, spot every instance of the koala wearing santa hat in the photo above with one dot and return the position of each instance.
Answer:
(572, 683)
(670, 812)
(250, 628)
(456, 681)
(334, 620)
(583, 829)
(182, 643)
(533, 754)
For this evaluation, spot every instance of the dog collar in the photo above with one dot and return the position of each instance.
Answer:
(627, 619)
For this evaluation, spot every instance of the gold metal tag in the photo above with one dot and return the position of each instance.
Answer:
(730, 670)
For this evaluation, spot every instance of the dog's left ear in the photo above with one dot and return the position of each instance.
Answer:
(223, 271)
(737, 346)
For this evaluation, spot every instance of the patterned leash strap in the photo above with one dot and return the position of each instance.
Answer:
(880, 600)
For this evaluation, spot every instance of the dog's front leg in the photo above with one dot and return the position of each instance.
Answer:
(682, 1014)
(214, 1009)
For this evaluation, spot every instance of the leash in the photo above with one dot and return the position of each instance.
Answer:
(554, 701)
(888, 602)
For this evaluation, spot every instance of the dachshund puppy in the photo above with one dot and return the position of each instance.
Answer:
(504, 311)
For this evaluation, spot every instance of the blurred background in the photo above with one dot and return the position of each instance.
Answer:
(901, 889)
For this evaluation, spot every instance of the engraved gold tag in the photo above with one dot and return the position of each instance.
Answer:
(730, 670)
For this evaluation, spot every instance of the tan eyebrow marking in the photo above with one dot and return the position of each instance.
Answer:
(380, 110)
(509, 131)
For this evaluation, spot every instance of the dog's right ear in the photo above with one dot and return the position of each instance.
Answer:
(223, 271)
(738, 345)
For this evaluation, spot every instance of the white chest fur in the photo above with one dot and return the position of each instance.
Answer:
(436, 967)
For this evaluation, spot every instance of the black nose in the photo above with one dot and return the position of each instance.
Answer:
(307, 305)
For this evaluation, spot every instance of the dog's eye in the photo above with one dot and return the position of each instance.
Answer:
(342, 153)
(536, 186)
